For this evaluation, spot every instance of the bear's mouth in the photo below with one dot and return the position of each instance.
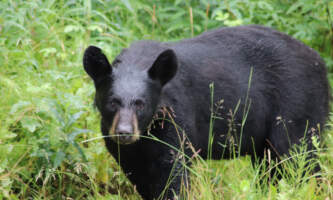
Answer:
(124, 139)
(124, 129)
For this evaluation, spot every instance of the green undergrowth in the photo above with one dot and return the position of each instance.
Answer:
(50, 145)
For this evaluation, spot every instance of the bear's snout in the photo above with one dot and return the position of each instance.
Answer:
(124, 129)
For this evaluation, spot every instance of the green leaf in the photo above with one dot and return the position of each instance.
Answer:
(60, 156)
(294, 7)
(77, 146)
(95, 27)
(19, 105)
(30, 124)
(220, 16)
(245, 185)
(72, 28)
(128, 5)
(38, 89)
(73, 118)
(48, 51)
(8, 135)
(236, 22)
(73, 134)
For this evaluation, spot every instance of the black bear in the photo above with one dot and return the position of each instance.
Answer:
(241, 89)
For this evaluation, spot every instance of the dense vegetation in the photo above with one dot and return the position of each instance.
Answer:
(49, 131)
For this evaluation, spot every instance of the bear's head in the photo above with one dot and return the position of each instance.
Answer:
(128, 90)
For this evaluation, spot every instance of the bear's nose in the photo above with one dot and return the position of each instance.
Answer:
(124, 129)
(124, 133)
(124, 126)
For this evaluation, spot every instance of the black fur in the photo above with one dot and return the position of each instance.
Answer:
(288, 89)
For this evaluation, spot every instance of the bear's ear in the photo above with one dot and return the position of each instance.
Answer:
(96, 64)
(164, 67)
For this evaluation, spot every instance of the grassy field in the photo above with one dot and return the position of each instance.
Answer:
(49, 131)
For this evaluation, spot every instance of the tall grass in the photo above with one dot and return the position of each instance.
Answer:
(46, 98)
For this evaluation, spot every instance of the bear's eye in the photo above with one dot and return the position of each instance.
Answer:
(115, 62)
(114, 104)
(139, 104)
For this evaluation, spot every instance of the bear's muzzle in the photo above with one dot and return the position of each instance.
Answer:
(124, 129)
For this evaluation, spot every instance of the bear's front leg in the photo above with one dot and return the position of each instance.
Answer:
(169, 176)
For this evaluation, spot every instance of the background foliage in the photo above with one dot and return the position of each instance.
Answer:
(46, 113)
